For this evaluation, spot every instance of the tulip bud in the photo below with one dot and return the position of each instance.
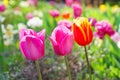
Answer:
(62, 40)
(32, 44)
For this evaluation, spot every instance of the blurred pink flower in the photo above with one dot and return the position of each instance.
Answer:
(103, 27)
(54, 13)
(70, 2)
(77, 10)
(17, 9)
(52, 2)
(66, 23)
(62, 40)
(115, 37)
(32, 44)
(29, 16)
(32, 2)
(92, 21)
(2, 7)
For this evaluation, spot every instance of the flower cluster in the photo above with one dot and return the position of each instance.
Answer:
(103, 27)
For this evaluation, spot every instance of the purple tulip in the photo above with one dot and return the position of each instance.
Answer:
(77, 10)
(92, 21)
(2, 8)
(54, 13)
(66, 23)
(103, 27)
(62, 40)
(32, 44)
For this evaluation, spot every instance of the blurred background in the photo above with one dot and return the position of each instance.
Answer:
(104, 52)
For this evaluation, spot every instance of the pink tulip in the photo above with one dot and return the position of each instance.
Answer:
(2, 8)
(77, 10)
(54, 13)
(62, 40)
(66, 23)
(32, 44)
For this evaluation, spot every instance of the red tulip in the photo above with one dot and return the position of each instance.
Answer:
(82, 31)
(32, 44)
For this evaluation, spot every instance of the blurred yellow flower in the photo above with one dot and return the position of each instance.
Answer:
(5, 2)
(114, 8)
(103, 7)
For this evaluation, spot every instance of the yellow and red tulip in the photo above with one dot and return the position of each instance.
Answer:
(82, 31)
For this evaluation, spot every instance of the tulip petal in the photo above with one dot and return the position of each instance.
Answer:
(31, 47)
(61, 32)
(55, 45)
(78, 36)
(66, 45)
(41, 35)
(24, 32)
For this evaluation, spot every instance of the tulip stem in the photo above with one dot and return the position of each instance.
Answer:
(38, 69)
(68, 68)
(88, 64)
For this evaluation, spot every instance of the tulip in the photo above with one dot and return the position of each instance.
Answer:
(54, 13)
(82, 31)
(66, 15)
(62, 40)
(68, 2)
(32, 44)
(83, 35)
(77, 10)
(66, 23)
(2, 8)
(6, 2)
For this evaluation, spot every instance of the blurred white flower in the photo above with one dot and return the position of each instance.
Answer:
(8, 34)
(38, 13)
(21, 26)
(24, 4)
(2, 19)
(118, 44)
(98, 42)
(116, 38)
(35, 22)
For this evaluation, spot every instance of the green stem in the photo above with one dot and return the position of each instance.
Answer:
(1, 39)
(68, 68)
(38, 69)
(88, 64)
